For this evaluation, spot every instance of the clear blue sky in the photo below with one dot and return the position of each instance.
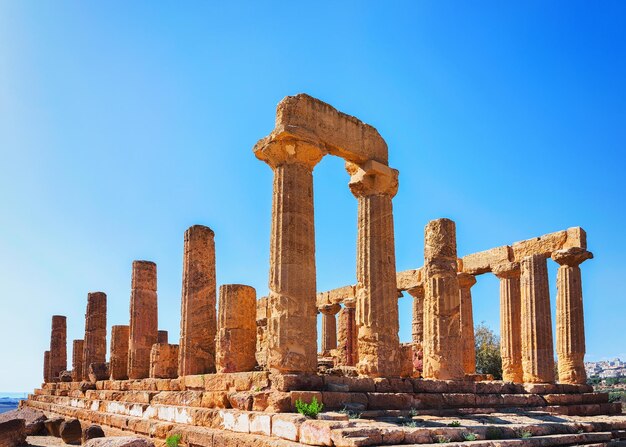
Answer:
(123, 123)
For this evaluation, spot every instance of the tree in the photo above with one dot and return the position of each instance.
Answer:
(488, 360)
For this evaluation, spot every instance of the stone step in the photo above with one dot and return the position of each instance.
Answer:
(588, 439)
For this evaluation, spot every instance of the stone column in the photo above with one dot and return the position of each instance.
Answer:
(58, 347)
(198, 324)
(466, 281)
(46, 366)
(78, 346)
(162, 337)
(347, 334)
(143, 318)
(236, 335)
(292, 322)
(442, 323)
(417, 323)
(374, 185)
(537, 346)
(164, 361)
(118, 359)
(570, 320)
(95, 345)
(329, 327)
(510, 321)
(261, 332)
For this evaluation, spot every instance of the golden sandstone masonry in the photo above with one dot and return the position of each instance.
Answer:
(236, 375)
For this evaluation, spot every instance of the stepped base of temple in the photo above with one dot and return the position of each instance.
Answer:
(258, 408)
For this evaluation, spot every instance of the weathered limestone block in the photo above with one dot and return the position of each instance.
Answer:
(236, 336)
(442, 322)
(510, 321)
(409, 279)
(329, 327)
(95, 344)
(417, 322)
(164, 361)
(374, 185)
(198, 324)
(336, 296)
(162, 337)
(347, 334)
(292, 325)
(466, 281)
(98, 371)
(119, 352)
(261, 332)
(483, 262)
(570, 325)
(143, 318)
(537, 346)
(77, 360)
(548, 243)
(46, 366)
(58, 347)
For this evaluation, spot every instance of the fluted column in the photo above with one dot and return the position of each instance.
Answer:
(198, 323)
(118, 359)
(329, 327)
(292, 322)
(374, 185)
(466, 281)
(143, 318)
(78, 347)
(510, 321)
(95, 344)
(537, 345)
(46, 366)
(442, 322)
(417, 321)
(58, 347)
(570, 319)
(347, 334)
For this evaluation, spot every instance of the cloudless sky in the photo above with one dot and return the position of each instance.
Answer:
(123, 123)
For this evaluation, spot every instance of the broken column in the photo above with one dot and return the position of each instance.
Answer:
(466, 281)
(417, 321)
(78, 347)
(118, 360)
(143, 318)
(164, 361)
(536, 321)
(510, 321)
(329, 327)
(292, 322)
(95, 344)
(347, 334)
(58, 347)
(162, 337)
(236, 334)
(570, 325)
(46, 366)
(374, 185)
(442, 322)
(198, 320)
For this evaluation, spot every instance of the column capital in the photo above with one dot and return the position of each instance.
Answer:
(571, 257)
(506, 270)
(372, 178)
(277, 152)
(417, 291)
(329, 309)
(466, 280)
(349, 303)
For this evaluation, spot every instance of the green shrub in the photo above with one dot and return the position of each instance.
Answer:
(441, 439)
(616, 396)
(172, 440)
(524, 434)
(309, 410)
(454, 424)
(470, 436)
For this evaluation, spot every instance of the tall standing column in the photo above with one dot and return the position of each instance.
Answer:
(143, 318)
(537, 346)
(78, 346)
(442, 322)
(347, 334)
(570, 319)
(198, 323)
(292, 321)
(46, 366)
(466, 281)
(417, 321)
(95, 345)
(58, 347)
(118, 359)
(510, 321)
(374, 185)
(236, 335)
(329, 327)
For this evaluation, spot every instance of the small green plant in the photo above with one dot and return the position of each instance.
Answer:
(257, 389)
(493, 433)
(616, 396)
(351, 414)
(441, 439)
(470, 436)
(413, 412)
(412, 424)
(172, 440)
(524, 434)
(309, 410)
(454, 424)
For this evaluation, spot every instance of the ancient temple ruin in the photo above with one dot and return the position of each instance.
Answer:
(242, 361)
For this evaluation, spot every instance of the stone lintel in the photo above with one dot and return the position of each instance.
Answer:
(548, 243)
(483, 261)
(336, 296)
